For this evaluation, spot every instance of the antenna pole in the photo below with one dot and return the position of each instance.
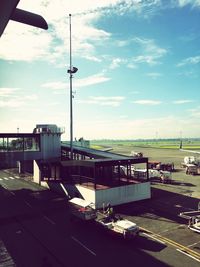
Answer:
(71, 93)
(71, 71)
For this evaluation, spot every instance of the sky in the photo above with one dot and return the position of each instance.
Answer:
(138, 69)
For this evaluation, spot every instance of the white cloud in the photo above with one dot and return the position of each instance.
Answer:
(93, 58)
(147, 102)
(116, 62)
(114, 98)
(31, 97)
(7, 92)
(122, 43)
(9, 97)
(189, 73)
(154, 75)
(24, 43)
(151, 53)
(182, 101)
(124, 128)
(195, 112)
(77, 83)
(113, 101)
(132, 65)
(189, 61)
(193, 3)
(147, 52)
(91, 80)
(33, 44)
(55, 85)
(12, 103)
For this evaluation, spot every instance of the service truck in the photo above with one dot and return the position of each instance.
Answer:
(85, 211)
(118, 225)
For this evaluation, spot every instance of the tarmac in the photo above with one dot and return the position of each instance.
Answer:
(158, 218)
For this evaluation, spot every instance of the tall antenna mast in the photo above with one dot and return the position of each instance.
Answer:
(71, 71)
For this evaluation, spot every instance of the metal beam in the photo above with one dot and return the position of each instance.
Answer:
(29, 18)
(8, 11)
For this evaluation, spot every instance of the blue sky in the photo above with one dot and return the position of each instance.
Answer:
(138, 61)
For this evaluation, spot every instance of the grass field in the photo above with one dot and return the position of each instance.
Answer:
(165, 151)
(163, 143)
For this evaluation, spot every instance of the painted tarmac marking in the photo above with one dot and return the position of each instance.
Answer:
(174, 228)
(186, 250)
(81, 244)
(154, 238)
(194, 244)
(4, 186)
(64, 189)
(185, 253)
(49, 220)
(28, 204)
(5, 257)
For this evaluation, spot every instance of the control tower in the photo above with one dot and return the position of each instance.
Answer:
(43, 144)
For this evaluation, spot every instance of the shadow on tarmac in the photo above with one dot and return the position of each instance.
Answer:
(121, 253)
(163, 204)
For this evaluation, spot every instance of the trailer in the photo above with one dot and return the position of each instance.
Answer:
(82, 209)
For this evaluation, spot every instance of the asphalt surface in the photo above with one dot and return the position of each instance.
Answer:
(36, 229)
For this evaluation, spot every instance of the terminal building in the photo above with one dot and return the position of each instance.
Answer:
(97, 176)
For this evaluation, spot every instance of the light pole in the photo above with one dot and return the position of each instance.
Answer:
(71, 71)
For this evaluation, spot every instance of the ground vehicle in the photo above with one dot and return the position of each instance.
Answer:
(191, 169)
(193, 219)
(136, 154)
(195, 224)
(154, 175)
(157, 165)
(85, 211)
(165, 177)
(118, 225)
(82, 209)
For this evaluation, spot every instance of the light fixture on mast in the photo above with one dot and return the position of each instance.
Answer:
(71, 71)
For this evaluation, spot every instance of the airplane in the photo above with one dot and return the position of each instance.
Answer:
(9, 11)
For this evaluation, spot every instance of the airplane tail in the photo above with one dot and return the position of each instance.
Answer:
(181, 145)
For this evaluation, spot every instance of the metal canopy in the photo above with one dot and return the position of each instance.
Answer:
(103, 162)
(95, 153)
